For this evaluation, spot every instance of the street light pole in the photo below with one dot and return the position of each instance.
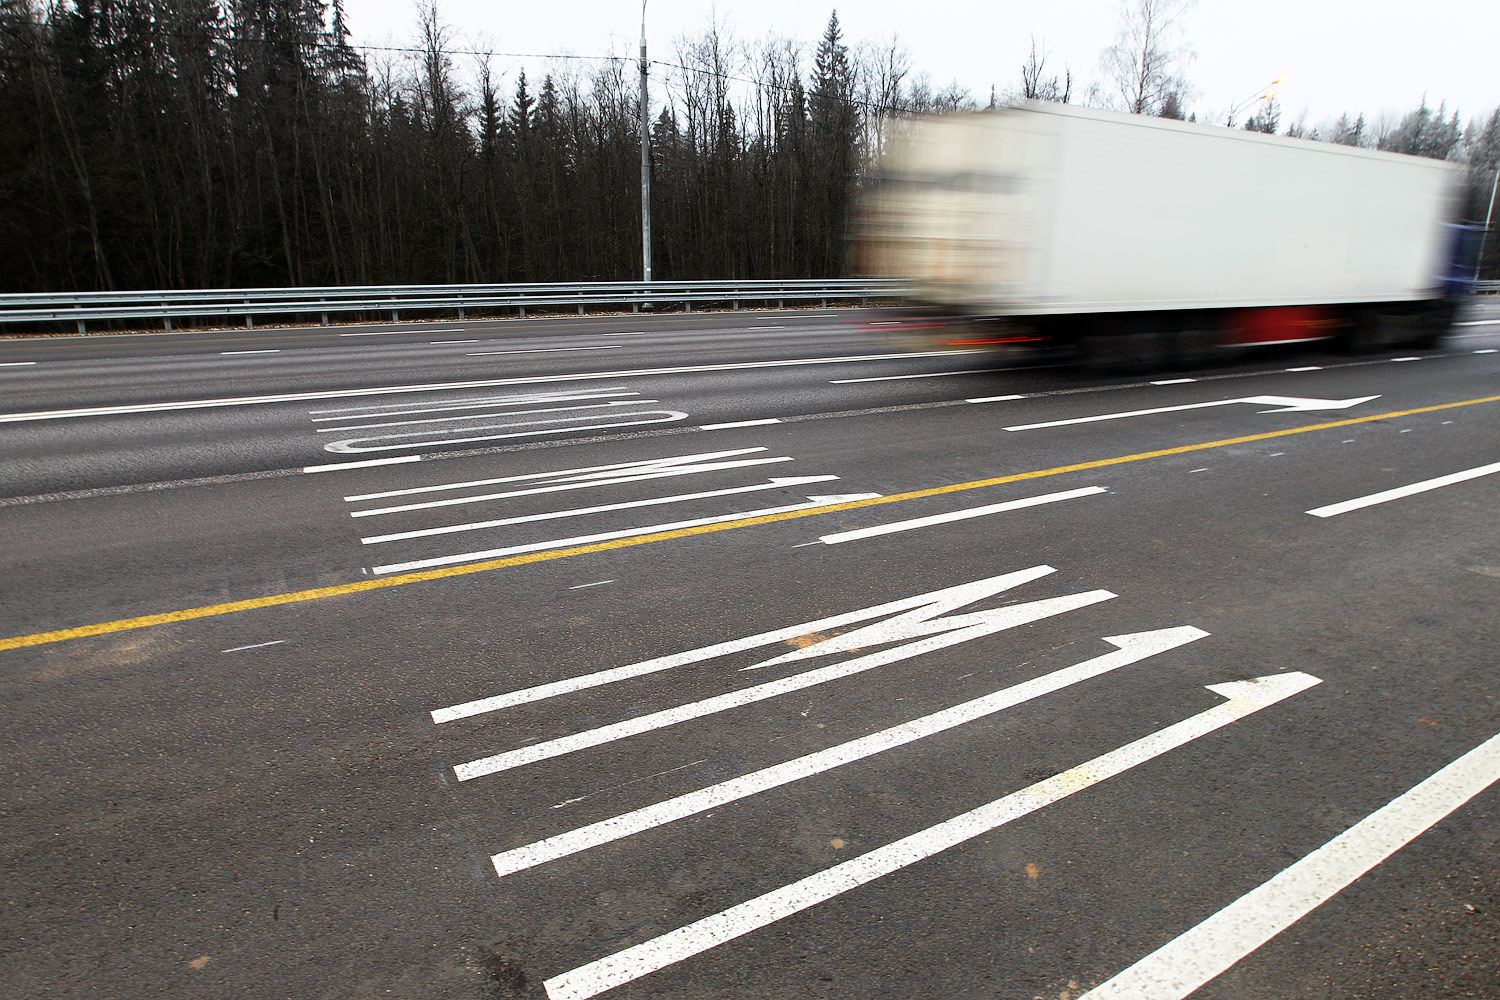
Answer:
(645, 157)
(1266, 93)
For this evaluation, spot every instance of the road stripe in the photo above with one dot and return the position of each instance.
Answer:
(264, 350)
(1407, 359)
(667, 949)
(1344, 507)
(551, 515)
(1193, 958)
(1487, 350)
(1479, 322)
(957, 515)
(258, 645)
(987, 622)
(603, 536)
(437, 343)
(585, 586)
(740, 423)
(365, 464)
(1133, 648)
(898, 378)
(392, 333)
(1173, 381)
(995, 399)
(1307, 368)
(15, 364)
(388, 390)
(541, 350)
(359, 586)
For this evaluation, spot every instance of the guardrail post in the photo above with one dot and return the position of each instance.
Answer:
(523, 312)
(460, 313)
(635, 307)
(395, 316)
(83, 327)
(780, 304)
(736, 305)
(824, 302)
(249, 320)
(687, 305)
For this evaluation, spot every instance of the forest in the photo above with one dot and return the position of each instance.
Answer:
(243, 143)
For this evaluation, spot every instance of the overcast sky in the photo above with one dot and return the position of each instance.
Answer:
(1355, 55)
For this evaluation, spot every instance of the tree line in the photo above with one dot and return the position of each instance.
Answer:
(241, 143)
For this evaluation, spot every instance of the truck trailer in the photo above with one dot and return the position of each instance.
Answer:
(1139, 241)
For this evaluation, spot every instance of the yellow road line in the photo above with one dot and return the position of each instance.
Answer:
(401, 580)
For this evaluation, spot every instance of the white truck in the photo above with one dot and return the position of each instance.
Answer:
(1140, 241)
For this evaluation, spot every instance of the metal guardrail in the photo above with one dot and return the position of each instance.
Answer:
(1487, 288)
(166, 306)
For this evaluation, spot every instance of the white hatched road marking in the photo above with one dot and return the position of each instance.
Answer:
(930, 634)
(505, 431)
(1244, 699)
(1198, 955)
(1132, 648)
(1344, 507)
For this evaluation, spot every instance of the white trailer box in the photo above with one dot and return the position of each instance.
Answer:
(1051, 209)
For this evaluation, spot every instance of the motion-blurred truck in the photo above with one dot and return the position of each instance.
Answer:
(1137, 241)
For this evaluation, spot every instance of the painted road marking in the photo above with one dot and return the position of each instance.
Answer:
(393, 333)
(1284, 404)
(1193, 958)
(293, 397)
(507, 431)
(436, 343)
(740, 423)
(585, 586)
(1407, 359)
(930, 635)
(457, 420)
(371, 411)
(1487, 350)
(449, 529)
(947, 598)
(898, 378)
(1479, 322)
(367, 463)
(1132, 648)
(258, 645)
(1173, 381)
(15, 364)
(264, 350)
(958, 515)
(360, 586)
(578, 479)
(1399, 492)
(995, 399)
(1307, 368)
(541, 350)
(606, 536)
(630, 964)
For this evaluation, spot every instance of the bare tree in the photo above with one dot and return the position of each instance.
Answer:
(1144, 66)
(1035, 86)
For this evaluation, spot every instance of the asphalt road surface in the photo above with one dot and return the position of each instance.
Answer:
(756, 654)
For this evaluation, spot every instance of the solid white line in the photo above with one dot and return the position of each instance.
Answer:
(1487, 350)
(1407, 359)
(1173, 381)
(740, 423)
(1307, 368)
(968, 592)
(433, 406)
(897, 378)
(957, 515)
(366, 464)
(552, 515)
(1479, 322)
(596, 583)
(994, 399)
(258, 645)
(558, 543)
(15, 364)
(1245, 698)
(292, 397)
(1345, 506)
(1193, 958)
(542, 350)
(1132, 648)
(634, 333)
(392, 333)
(994, 621)
(341, 428)
(266, 350)
(439, 435)
(586, 472)
(625, 476)
(444, 342)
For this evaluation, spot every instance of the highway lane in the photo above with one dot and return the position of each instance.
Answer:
(262, 801)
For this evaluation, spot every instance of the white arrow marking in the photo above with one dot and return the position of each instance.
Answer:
(642, 475)
(975, 590)
(1286, 404)
(562, 543)
(1133, 647)
(960, 628)
(773, 484)
(294, 397)
(1190, 960)
(1245, 698)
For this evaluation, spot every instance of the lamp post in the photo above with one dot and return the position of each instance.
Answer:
(1266, 93)
(645, 158)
